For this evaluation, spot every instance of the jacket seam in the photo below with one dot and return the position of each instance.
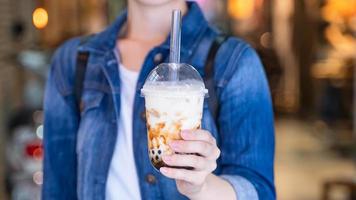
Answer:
(233, 63)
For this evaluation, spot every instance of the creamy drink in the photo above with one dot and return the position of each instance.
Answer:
(169, 110)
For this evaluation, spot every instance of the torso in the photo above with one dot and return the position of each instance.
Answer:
(94, 144)
(122, 180)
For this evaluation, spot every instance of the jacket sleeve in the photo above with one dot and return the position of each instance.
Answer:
(247, 128)
(60, 127)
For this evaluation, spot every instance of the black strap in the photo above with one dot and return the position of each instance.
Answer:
(81, 66)
(209, 81)
(82, 61)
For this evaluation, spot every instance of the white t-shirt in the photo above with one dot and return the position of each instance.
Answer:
(122, 182)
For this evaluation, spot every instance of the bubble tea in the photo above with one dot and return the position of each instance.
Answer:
(174, 94)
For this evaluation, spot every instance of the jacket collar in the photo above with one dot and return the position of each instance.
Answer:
(193, 25)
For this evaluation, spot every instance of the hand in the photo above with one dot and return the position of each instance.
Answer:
(202, 155)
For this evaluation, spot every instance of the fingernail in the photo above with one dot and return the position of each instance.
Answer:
(174, 145)
(163, 170)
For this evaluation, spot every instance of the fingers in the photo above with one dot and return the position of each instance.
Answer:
(190, 176)
(198, 142)
(197, 162)
(202, 148)
(198, 135)
(194, 142)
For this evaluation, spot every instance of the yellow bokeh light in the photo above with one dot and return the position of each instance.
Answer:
(336, 10)
(241, 9)
(40, 18)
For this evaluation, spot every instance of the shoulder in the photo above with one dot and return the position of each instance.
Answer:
(244, 72)
(234, 56)
(63, 65)
(232, 42)
(67, 49)
(238, 49)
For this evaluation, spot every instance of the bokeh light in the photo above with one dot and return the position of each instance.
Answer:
(39, 131)
(241, 9)
(265, 39)
(336, 10)
(40, 18)
(38, 177)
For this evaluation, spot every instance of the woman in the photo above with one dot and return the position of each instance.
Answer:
(101, 152)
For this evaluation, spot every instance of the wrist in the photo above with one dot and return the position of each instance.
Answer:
(214, 187)
(201, 194)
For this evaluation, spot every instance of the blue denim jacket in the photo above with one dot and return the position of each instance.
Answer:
(77, 155)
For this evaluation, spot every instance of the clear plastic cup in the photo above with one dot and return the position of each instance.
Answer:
(174, 95)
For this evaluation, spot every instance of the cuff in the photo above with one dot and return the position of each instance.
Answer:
(243, 188)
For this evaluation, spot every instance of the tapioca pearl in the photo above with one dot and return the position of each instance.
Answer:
(159, 151)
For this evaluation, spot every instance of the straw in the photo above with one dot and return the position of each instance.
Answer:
(174, 56)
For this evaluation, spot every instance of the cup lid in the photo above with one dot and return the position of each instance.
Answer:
(177, 79)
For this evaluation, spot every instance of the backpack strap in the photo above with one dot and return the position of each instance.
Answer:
(80, 69)
(82, 61)
(213, 100)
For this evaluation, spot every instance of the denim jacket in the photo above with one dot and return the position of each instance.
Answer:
(79, 146)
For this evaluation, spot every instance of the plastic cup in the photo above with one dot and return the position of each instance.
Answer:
(171, 106)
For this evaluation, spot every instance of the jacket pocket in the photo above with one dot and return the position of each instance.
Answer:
(91, 99)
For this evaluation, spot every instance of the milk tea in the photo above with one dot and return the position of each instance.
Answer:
(168, 112)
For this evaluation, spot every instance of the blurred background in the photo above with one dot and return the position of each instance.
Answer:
(308, 48)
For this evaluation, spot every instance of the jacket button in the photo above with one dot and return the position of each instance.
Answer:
(143, 116)
(151, 179)
(158, 58)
